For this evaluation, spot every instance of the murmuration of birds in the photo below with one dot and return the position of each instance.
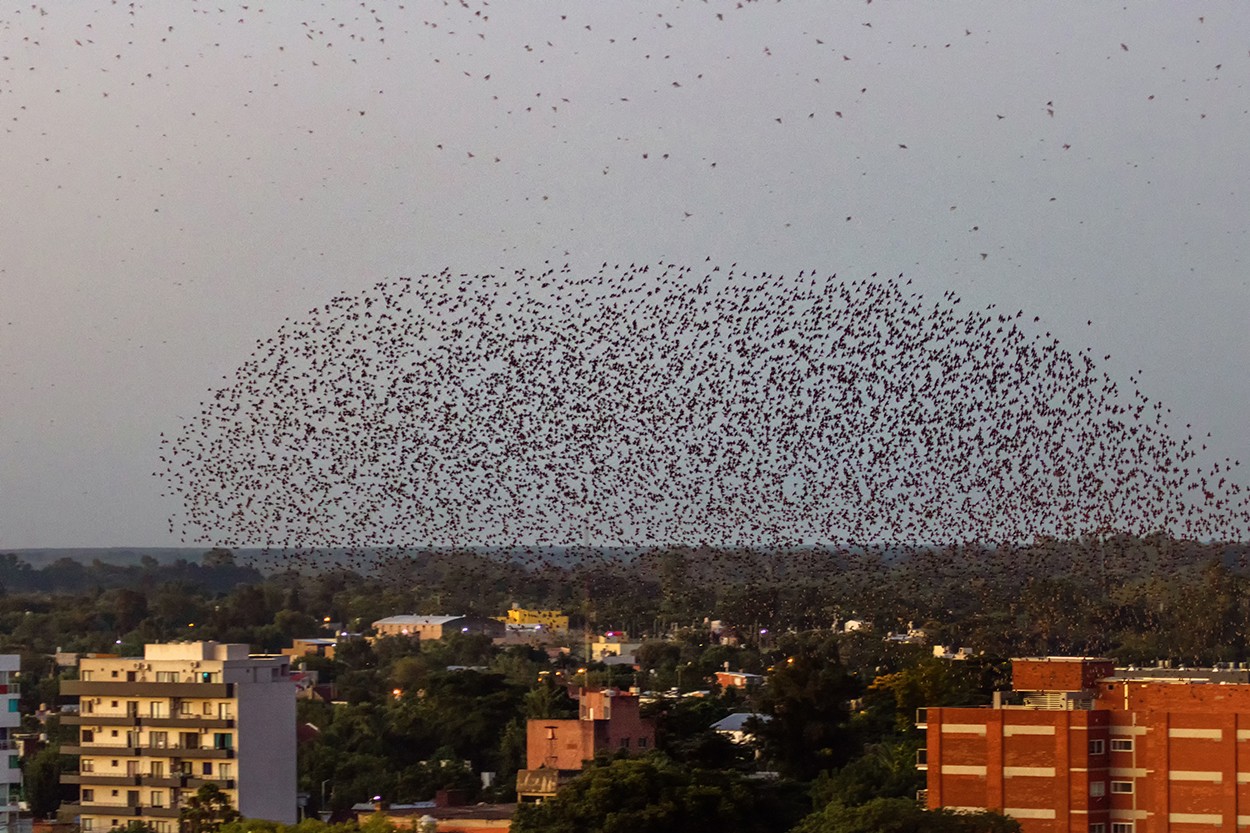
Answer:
(656, 405)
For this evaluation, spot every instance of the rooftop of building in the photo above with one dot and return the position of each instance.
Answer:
(412, 619)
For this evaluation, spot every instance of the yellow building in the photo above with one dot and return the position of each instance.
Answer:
(152, 730)
(552, 620)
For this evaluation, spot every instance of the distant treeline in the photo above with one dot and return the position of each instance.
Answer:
(70, 575)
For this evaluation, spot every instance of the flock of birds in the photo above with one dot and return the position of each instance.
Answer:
(660, 405)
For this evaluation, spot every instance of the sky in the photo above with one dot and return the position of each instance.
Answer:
(182, 178)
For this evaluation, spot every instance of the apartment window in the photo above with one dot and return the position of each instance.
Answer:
(624, 743)
(14, 763)
(88, 795)
(208, 708)
(156, 798)
(1097, 789)
(87, 735)
(642, 743)
(1097, 747)
(186, 708)
(86, 825)
(167, 676)
(161, 826)
(85, 676)
(13, 704)
(223, 770)
(1121, 827)
(223, 740)
(1122, 787)
(1098, 827)
(113, 674)
(86, 765)
(1122, 745)
(87, 707)
(158, 740)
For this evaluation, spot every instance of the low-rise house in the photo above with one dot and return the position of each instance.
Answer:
(311, 647)
(614, 644)
(608, 720)
(437, 627)
(738, 679)
(554, 621)
(736, 726)
(447, 813)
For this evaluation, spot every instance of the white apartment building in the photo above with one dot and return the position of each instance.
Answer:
(153, 730)
(10, 721)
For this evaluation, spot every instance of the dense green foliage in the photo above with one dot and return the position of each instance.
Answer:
(656, 795)
(842, 705)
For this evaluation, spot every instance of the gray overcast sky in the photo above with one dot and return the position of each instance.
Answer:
(179, 178)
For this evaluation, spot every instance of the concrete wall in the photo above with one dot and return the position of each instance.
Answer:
(266, 750)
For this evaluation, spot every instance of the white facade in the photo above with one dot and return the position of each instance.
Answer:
(10, 722)
(153, 730)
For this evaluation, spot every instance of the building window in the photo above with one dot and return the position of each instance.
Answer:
(1121, 827)
(1097, 789)
(157, 798)
(1097, 747)
(642, 743)
(206, 768)
(1098, 827)
(86, 825)
(186, 707)
(624, 743)
(167, 676)
(86, 765)
(158, 740)
(87, 735)
(223, 771)
(88, 795)
(1122, 745)
(13, 704)
(1122, 787)
(85, 676)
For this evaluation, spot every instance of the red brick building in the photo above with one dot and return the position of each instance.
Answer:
(1078, 746)
(607, 720)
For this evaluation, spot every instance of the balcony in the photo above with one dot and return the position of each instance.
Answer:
(922, 759)
(125, 750)
(99, 749)
(922, 719)
(196, 783)
(92, 780)
(142, 721)
(922, 797)
(123, 688)
(95, 808)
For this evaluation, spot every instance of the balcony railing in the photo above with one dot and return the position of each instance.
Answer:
(922, 797)
(142, 720)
